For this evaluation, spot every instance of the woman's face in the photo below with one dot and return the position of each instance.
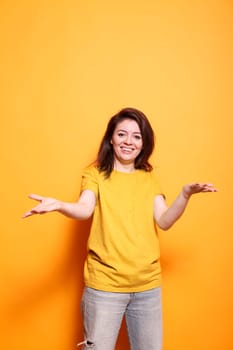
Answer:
(127, 141)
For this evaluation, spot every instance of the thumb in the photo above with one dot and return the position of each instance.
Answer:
(35, 196)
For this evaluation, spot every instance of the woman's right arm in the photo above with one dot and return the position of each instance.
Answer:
(80, 210)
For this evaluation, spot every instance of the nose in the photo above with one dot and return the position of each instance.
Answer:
(128, 140)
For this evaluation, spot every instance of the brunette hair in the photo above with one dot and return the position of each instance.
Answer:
(105, 157)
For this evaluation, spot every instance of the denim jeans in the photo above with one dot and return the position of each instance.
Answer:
(103, 313)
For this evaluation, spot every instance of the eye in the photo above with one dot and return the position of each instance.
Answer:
(138, 137)
(120, 134)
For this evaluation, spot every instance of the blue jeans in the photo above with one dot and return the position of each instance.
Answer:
(103, 313)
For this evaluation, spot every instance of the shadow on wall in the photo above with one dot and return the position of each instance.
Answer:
(29, 305)
(35, 302)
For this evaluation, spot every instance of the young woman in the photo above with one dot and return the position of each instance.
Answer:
(122, 271)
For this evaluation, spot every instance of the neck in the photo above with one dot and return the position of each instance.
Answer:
(125, 168)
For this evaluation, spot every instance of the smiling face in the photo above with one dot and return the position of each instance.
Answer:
(127, 143)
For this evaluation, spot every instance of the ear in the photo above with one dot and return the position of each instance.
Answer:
(111, 141)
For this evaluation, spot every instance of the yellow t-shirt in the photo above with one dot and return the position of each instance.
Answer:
(123, 248)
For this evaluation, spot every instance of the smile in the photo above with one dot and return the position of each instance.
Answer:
(127, 149)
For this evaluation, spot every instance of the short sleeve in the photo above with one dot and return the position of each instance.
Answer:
(90, 180)
(156, 185)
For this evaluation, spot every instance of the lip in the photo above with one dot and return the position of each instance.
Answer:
(126, 150)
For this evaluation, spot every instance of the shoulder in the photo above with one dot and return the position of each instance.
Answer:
(92, 172)
(153, 178)
(154, 175)
(91, 169)
(90, 179)
(149, 175)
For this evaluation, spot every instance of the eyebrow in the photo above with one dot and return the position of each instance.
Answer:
(135, 132)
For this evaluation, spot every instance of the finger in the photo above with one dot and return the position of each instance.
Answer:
(196, 184)
(36, 197)
(37, 210)
(208, 185)
(27, 214)
(195, 187)
(202, 186)
(210, 189)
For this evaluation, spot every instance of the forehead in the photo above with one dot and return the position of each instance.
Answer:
(128, 125)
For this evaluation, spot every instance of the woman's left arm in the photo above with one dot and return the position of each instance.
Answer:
(166, 216)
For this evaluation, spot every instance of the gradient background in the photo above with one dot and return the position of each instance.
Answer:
(66, 67)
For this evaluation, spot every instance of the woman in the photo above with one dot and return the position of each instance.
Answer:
(122, 271)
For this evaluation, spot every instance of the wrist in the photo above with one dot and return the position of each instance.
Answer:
(59, 206)
(185, 195)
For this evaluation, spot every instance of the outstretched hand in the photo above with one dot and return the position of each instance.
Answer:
(46, 205)
(190, 189)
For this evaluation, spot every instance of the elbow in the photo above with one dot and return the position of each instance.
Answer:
(83, 211)
(165, 222)
(164, 226)
(78, 211)
(84, 217)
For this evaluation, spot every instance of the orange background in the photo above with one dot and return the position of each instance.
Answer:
(66, 67)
